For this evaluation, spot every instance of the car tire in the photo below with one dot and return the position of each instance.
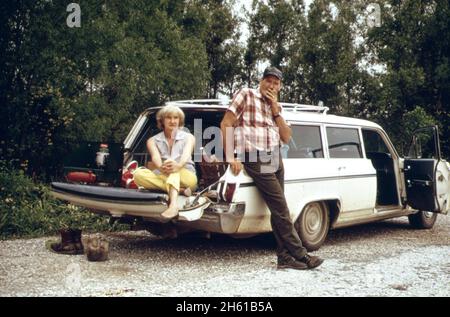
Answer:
(313, 224)
(422, 220)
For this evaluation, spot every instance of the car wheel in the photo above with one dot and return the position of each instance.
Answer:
(422, 220)
(313, 224)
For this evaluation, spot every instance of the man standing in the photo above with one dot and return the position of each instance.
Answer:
(253, 125)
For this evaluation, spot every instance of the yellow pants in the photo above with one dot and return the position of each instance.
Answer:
(149, 180)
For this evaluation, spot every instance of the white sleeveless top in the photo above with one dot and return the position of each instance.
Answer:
(177, 148)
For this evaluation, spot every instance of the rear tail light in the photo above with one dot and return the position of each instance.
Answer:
(227, 193)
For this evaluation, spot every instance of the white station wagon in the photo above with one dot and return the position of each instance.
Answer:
(339, 172)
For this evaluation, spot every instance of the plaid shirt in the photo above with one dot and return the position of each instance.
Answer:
(255, 128)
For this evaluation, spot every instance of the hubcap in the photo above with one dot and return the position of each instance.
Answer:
(313, 221)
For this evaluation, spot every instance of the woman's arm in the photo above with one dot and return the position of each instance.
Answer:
(156, 160)
(188, 149)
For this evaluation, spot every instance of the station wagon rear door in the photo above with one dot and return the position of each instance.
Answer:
(426, 174)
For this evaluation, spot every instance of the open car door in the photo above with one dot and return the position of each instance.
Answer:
(426, 173)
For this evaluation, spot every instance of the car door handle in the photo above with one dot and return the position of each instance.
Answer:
(420, 182)
(340, 168)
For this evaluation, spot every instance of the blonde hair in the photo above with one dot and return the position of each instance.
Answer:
(167, 110)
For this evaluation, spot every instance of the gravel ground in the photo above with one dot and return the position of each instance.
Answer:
(381, 259)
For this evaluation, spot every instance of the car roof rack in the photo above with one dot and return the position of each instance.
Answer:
(292, 107)
(296, 107)
(200, 102)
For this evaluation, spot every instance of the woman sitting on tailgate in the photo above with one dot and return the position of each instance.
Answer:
(172, 167)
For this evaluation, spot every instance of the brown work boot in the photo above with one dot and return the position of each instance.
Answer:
(76, 238)
(311, 261)
(66, 246)
(291, 263)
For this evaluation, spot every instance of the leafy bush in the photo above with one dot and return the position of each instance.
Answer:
(28, 210)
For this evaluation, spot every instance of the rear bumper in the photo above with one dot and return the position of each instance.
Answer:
(220, 218)
(121, 202)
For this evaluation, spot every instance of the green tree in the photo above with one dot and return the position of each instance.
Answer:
(273, 27)
(89, 82)
(413, 43)
(316, 50)
(214, 23)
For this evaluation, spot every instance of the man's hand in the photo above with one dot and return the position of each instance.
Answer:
(236, 167)
(272, 98)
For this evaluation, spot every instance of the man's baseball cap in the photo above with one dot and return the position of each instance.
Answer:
(274, 72)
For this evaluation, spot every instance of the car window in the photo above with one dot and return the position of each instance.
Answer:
(208, 119)
(424, 145)
(344, 143)
(373, 142)
(305, 142)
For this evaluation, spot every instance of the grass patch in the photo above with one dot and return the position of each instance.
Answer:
(28, 210)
